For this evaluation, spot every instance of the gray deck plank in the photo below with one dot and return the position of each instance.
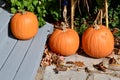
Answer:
(4, 18)
(19, 60)
(5, 49)
(4, 23)
(32, 60)
(12, 64)
(4, 33)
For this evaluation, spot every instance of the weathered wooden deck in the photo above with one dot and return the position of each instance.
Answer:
(19, 60)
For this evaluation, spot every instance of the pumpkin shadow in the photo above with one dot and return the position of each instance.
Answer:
(9, 32)
(82, 53)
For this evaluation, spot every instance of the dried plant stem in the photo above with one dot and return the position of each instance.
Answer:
(72, 13)
(99, 17)
(65, 13)
(64, 24)
(106, 10)
(98, 20)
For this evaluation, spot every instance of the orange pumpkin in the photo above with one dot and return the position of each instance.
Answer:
(24, 25)
(64, 42)
(97, 41)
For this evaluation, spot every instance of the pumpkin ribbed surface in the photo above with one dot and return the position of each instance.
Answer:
(24, 25)
(98, 42)
(64, 42)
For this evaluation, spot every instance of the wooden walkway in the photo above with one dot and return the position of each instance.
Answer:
(19, 60)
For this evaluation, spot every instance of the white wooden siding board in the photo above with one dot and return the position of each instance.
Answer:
(32, 60)
(13, 62)
(5, 49)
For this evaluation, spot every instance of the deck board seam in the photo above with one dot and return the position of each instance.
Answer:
(8, 55)
(23, 59)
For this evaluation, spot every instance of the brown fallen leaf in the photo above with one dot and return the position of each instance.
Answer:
(115, 30)
(61, 68)
(117, 51)
(58, 60)
(76, 63)
(117, 42)
(100, 67)
(46, 61)
(79, 63)
(51, 58)
(87, 70)
(112, 61)
(113, 64)
(69, 62)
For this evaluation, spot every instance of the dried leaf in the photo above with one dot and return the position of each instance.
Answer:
(76, 63)
(100, 67)
(115, 30)
(58, 60)
(79, 63)
(69, 62)
(51, 58)
(117, 42)
(114, 64)
(61, 68)
(117, 51)
(87, 70)
(112, 61)
(46, 61)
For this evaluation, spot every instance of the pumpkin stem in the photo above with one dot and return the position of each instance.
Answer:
(96, 27)
(98, 20)
(22, 11)
(63, 26)
(99, 17)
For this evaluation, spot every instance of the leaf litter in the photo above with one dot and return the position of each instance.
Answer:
(50, 58)
(111, 62)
